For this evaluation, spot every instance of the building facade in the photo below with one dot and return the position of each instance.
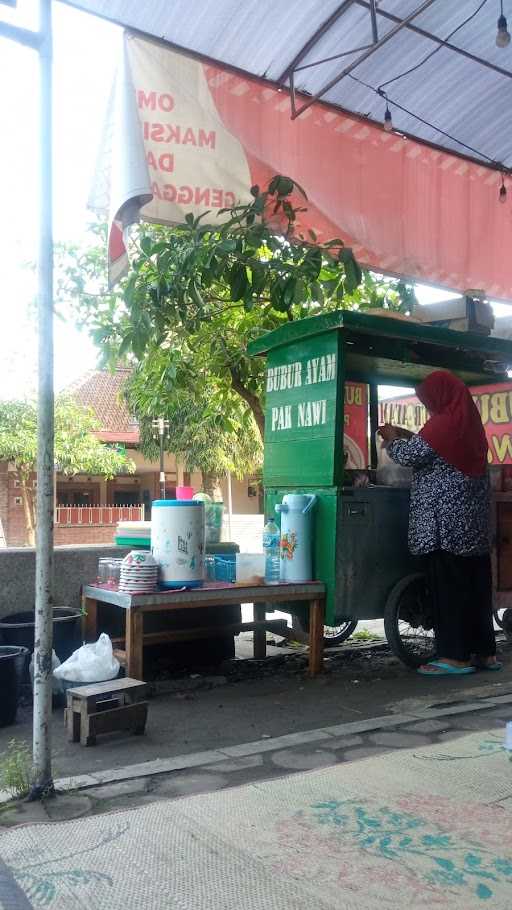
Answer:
(88, 507)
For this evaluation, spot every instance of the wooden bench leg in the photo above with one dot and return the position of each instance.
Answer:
(134, 643)
(316, 637)
(72, 719)
(86, 739)
(259, 635)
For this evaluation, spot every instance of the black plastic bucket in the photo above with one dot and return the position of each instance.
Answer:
(18, 629)
(13, 662)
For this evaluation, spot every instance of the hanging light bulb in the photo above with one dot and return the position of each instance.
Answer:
(503, 34)
(388, 120)
(503, 191)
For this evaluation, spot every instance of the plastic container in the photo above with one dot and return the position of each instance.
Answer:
(296, 513)
(224, 569)
(184, 493)
(18, 629)
(178, 542)
(214, 513)
(250, 568)
(271, 549)
(209, 568)
(13, 661)
(133, 543)
(103, 570)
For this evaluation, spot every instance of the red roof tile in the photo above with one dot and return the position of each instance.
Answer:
(102, 391)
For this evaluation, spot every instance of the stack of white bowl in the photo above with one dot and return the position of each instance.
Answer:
(139, 573)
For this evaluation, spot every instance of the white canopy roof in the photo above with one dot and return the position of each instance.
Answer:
(437, 61)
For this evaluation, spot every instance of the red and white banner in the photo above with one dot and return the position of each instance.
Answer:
(494, 403)
(355, 435)
(184, 136)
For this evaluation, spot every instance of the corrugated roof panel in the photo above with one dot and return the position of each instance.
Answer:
(452, 93)
(258, 36)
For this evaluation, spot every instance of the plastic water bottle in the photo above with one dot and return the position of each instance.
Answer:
(271, 544)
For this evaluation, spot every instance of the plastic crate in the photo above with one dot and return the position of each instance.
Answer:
(225, 569)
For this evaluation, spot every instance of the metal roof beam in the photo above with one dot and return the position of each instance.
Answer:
(401, 24)
(20, 35)
(373, 17)
(430, 35)
(315, 38)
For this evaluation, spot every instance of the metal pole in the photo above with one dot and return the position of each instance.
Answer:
(374, 422)
(230, 504)
(42, 767)
(161, 426)
(162, 467)
(373, 17)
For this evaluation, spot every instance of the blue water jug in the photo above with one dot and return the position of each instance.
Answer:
(296, 512)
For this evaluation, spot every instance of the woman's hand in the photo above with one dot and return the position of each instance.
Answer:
(404, 434)
(388, 432)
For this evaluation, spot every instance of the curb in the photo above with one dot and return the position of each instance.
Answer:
(197, 759)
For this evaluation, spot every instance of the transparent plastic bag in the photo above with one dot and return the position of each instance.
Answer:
(389, 473)
(93, 662)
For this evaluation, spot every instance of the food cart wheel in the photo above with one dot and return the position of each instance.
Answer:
(503, 619)
(334, 635)
(498, 617)
(408, 621)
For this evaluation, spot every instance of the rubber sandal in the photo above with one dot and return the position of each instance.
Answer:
(442, 669)
(492, 668)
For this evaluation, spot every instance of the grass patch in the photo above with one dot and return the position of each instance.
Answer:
(365, 635)
(16, 769)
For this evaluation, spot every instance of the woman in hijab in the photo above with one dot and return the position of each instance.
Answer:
(449, 522)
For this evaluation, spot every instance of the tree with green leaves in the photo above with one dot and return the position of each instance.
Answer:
(202, 435)
(77, 448)
(199, 292)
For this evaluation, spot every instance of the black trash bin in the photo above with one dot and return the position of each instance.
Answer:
(13, 662)
(18, 629)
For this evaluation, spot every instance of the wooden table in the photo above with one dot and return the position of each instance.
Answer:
(213, 595)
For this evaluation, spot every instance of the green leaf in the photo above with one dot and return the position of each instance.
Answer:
(353, 275)
(248, 298)
(255, 235)
(317, 292)
(146, 245)
(195, 295)
(312, 263)
(284, 186)
(189, 218)
(237, 281)
(274, 183)
(227, 246)
(160, 247)
(277, 297)
(300, 294)
(258, 278)
(289, 291)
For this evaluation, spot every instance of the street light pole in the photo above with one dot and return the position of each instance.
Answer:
(161, 426)
(41, 41)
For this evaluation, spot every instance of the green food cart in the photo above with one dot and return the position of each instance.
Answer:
(360, 532)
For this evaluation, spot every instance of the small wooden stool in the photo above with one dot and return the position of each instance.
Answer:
(105, 707)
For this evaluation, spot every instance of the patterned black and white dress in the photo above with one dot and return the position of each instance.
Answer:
(449, 511)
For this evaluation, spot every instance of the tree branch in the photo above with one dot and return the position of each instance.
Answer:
(250, 399)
